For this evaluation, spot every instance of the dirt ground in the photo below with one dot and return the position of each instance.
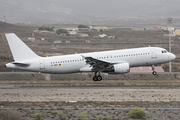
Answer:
(88, 94)
(111, 102)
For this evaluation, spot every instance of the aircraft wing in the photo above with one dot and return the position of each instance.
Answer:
(95, 62)
(99, 64)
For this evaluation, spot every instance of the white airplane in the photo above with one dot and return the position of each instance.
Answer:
(112, 62)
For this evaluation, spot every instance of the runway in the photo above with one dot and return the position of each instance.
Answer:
(30, 76)
(94, 87)
(92, 108)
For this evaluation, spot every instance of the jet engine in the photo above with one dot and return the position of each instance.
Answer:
(119, 68)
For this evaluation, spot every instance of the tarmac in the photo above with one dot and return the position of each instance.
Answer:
(88, 76)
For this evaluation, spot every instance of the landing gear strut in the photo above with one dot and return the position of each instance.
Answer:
(97, 77)
(154, 72)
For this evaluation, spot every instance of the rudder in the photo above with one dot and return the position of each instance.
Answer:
(19, 49)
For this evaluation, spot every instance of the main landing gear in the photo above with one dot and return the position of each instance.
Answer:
(97, 77)
(154, 72)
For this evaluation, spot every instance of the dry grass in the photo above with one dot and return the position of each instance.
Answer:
(10, 115)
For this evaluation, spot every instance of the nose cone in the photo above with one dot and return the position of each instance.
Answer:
(172, 56)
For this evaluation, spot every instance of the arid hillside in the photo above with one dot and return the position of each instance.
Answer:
(70, 44)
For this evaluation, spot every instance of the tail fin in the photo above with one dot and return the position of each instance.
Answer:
(19, 49)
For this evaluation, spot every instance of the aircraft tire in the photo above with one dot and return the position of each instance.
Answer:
(99, 78)
(154, 73)
(95, 78)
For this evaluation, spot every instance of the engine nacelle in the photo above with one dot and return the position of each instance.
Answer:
(121, 68)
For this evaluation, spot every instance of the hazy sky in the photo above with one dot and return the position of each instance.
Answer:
(84, 10)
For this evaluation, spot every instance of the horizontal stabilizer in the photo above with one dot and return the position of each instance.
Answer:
(20, 63)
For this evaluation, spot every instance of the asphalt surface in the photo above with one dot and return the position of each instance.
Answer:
(95, 87)
(160, 73)
(93, 108)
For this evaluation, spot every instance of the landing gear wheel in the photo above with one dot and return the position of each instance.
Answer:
(99, 77)
(154, 73)
(95, 78)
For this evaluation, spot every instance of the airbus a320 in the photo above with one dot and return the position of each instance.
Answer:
(111, 62)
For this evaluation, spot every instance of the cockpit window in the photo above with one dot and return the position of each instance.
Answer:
(164, 51)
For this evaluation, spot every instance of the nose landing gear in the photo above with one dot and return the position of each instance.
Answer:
(154, 72)
(97, 77)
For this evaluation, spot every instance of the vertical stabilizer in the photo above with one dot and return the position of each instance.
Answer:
(19, 49)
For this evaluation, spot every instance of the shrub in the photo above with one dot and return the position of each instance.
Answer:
(137, 113)
(83, 116)
(10, 115)
(100, 117)
(62, 116)
(82, 26)
(37, 116)
(107, 118)
(62, 31)
(46, 28)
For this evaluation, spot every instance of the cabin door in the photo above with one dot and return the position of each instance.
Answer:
(42, 64)
(153, 53)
